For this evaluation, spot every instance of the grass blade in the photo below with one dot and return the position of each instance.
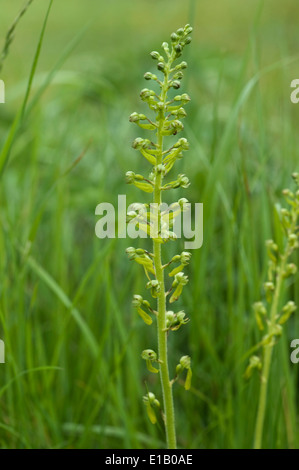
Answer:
(5, 153)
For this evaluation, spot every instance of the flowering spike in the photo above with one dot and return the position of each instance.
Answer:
(271, 318)
(167, 122)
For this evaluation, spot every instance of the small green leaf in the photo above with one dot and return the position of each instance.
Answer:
(145, 316)
(176, 270)
(151, 414)
(150, 367)
(176, 294)
(287, 311)
(188, 379)
(254, 363)
(146, 187)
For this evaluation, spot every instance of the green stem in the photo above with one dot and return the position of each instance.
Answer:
(267, 361)
(161, 323)
(258, 437)
(162, 348)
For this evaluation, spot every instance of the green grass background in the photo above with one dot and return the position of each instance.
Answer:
(73, 376)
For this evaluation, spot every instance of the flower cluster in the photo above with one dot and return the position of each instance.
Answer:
(269, 315)
(168, 115)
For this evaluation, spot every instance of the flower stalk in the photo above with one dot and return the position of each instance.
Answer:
(168, 114)
(271, 317)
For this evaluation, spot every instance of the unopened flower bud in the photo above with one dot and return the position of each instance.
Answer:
(178, 75)
(285, 212)
(287, 311)
(134, 117)
(160, 168)
(177, 125)
(183, 143)
(150, 76)
(155, 55)
(130, 177)
(181, 113)
(287, 192)
(292, 237)
(183, 181)
(188, 29)
(141, 143)
(154, 286)
(175, 84)
(181, 316)
(149, 354)
(170, 318)
(137, 301)
(290, 270)
(185, 362)
(185, 98)
(182, 203)
(180, 278)
(254, 363)
(146, 94)
(295, 177)
(185, 257)
(178, 98)
(165, 46)
(270, 244)
(269, 286)
(151, 399)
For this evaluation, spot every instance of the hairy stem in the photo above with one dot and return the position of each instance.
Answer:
(266, 366)
(161, 323)
(167, 123)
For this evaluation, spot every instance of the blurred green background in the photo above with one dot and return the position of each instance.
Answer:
(73, 376)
